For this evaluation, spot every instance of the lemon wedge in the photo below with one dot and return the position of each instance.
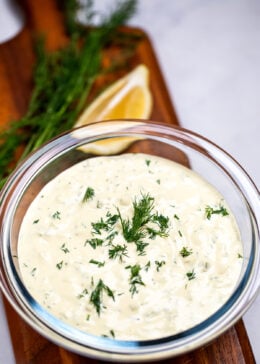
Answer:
(127, 98)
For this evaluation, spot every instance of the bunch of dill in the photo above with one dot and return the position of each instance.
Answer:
(62, 81)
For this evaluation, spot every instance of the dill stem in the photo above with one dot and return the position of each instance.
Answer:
(62, 82)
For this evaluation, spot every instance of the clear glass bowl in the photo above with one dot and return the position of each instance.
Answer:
(174, 143)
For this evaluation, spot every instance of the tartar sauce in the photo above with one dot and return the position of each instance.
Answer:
(131, 247)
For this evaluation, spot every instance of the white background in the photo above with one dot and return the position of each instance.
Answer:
(209, 53)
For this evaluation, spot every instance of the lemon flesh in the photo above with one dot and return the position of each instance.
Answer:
(127, 98)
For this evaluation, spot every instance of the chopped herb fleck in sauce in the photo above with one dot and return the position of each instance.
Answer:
(83, 293)
(191, 275)
(57, 215)
(159, 264)
(117, 251)
(64, 248)
(221, 210)
(89, 194)
(33, 271)
(99, 264)
(97, 295)
(135, 279)
(59, 265)
(185, 252)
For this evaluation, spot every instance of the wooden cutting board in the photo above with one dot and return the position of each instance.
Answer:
(16, 61)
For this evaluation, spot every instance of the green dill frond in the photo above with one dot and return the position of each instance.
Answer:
(185, 252)
(135, 279)
(97, 295)
(117, 251)
(89, 194)
(221, 210)
(62, 82)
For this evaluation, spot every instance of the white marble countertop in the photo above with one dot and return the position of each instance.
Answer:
(209, 52)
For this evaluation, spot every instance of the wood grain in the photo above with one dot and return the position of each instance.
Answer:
(16, 64)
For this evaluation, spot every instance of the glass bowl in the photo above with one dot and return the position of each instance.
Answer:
(174, 143)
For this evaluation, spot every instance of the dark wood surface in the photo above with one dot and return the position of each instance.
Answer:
(16, 63)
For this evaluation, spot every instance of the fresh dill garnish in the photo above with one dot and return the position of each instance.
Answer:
(56, 215)
(184, 252)
(63, 79)
(159, 264)
(89, 194)
(111, 236)
(64, 248)
(33, 271)
(152, 232)
(117, 251)
(142, 212)
(97, 293)
(163, 223)
(147, 266)
(133, 230)
(98, 263)
(99, 226)
(191, 275)
(176, 217)
(135, 278)
(136, 229)
(112, 333)
(239, 255)
(111, 219)
(106, 225)
(36, 221)
(221, 210)
(140, 247)
(148, 162)
(83, 293)
(94, 242)
(180, 233)
(59, 265)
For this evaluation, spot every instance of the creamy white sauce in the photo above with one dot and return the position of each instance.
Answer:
(61, 269)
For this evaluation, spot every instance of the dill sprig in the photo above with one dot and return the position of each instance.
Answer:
(97, 262)
(191, 275)
(64, 248)
(135, 278)
(89, 194)
(133, 230)
(221, 210)
(94, 242)
(139, 227)
(117, 251)
(159, 264)
(106, 225)
(62, 82)
(163, 224)
(97, 294)
(185, 252)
